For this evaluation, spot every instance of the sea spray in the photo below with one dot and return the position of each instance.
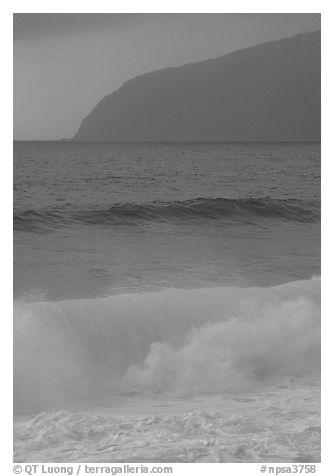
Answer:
(238, 355)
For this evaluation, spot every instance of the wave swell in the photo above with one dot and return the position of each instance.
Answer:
(175, 341)
(227, 210)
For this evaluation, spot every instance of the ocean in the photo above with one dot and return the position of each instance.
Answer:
(166, 302)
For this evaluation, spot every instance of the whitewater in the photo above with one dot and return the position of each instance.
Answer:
(216, 374)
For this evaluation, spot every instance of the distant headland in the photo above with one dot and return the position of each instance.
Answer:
(268, 92)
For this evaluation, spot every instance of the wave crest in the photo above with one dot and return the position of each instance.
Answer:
(226, 210)
(180, 341)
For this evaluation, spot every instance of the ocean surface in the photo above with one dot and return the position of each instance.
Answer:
(166, 302)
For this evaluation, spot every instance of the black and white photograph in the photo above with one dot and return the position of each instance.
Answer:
(167, 238)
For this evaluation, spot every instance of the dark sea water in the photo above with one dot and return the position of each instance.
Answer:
(95, 219)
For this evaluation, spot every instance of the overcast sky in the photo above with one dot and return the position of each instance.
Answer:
(65, 63)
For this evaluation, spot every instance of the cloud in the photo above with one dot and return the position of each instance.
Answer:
(31, 26)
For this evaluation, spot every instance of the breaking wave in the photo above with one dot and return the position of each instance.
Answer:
(227, 210)
(181, 342)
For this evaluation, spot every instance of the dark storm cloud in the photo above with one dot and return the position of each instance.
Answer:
(30, 26)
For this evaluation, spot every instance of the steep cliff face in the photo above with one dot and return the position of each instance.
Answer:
(269, 92)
